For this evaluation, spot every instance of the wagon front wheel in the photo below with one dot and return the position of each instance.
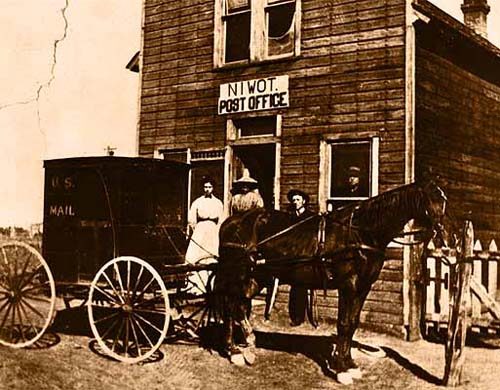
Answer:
(128, 309)
(27, 295)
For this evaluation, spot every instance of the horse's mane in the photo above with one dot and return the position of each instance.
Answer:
(393, 205)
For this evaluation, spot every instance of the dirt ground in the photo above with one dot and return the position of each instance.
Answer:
(287, 358)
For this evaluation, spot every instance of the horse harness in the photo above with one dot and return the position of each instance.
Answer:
(256, 257)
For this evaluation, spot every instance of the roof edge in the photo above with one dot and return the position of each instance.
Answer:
(433, 11)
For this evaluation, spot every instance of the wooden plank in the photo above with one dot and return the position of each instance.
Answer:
(444, 298)
(415, 295)
(476, 275)
(492, 276)
(482, 295)
(457, 326)
(430, 290)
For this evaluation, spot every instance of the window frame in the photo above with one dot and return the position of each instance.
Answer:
(258, 33)
(326, 167)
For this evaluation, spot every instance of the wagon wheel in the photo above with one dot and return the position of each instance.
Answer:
(128, 309)
(197, 304)
(27, 295)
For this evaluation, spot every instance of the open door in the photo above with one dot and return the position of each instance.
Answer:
(260, 160)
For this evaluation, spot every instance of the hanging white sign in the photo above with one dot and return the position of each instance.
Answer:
(253, 95)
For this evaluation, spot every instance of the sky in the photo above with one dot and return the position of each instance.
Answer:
(65, 90)
(76, 106)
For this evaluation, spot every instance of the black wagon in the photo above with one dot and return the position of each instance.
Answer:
(129, 210)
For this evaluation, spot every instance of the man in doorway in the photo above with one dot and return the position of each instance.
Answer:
(204, 219)
(297, 302)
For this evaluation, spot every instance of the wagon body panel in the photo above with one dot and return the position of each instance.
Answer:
(98, 208)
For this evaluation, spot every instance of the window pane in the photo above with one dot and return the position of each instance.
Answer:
(281, 29)
(350, 160)
(249, 127)
(237, 37)
(280, 19)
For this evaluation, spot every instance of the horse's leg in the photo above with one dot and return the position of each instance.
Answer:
(355, 312)
(247, 330)
(350, 303)
(230, 314)
(351, 299)
(227, 321)
(339, 360)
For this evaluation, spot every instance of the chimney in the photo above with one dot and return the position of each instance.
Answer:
(475, 15)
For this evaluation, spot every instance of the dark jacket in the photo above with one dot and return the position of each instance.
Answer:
(297, 301)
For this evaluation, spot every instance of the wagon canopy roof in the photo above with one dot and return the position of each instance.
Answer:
(114, 161)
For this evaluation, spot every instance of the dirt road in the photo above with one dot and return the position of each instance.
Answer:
(287, 358)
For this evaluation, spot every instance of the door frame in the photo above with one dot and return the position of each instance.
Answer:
(234, 140)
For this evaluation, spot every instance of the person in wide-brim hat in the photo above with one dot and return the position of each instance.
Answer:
(246, 194)
(294, 192)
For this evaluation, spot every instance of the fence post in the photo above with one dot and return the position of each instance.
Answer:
(459, 300)
(416, 298)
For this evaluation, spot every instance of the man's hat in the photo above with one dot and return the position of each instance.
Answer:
(294, 192)
(354, 170)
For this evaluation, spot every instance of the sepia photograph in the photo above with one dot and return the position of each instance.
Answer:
(249, 194)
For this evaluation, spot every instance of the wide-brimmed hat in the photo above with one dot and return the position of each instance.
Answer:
(245, 181)
(296, 191)
(354, 170)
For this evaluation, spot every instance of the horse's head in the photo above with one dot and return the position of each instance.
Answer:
(434, 208)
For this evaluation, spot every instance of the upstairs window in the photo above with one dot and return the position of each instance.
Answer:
(236, 21)
(280, 18)
(255, 30)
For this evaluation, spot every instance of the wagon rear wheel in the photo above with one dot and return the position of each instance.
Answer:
(27, 295)
(128, 309)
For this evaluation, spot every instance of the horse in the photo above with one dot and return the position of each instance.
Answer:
(343, 250)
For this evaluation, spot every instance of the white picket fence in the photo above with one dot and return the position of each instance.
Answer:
(486, 271)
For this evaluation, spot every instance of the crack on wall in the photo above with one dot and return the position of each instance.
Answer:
(52, 71)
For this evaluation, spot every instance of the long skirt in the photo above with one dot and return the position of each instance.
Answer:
(203, 248)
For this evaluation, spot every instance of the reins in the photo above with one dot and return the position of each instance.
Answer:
(289, 228)
(410, 233)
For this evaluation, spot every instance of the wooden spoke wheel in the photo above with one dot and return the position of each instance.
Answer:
(27, 295)
(128, 309)
(197, 305)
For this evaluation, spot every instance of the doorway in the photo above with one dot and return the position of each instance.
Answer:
(260, 160)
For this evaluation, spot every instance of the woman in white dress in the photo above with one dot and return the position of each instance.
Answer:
(204, 219)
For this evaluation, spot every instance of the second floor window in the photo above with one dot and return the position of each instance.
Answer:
(256, 30)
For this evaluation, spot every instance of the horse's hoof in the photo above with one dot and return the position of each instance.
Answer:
(355, 373)
(344, 378)
(237, 359)
(249, 357)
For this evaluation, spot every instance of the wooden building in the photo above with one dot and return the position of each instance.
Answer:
(298, 91)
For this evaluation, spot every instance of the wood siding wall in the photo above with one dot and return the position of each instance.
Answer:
(458, 135)
(348, 79)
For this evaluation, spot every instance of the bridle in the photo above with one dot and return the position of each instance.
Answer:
(437, 229)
